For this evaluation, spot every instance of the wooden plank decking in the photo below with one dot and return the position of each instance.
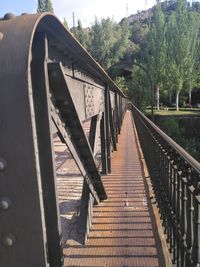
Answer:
(123, 231)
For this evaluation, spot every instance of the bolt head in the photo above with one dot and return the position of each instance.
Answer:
(5, 203)
(8, 240)
(2, 165)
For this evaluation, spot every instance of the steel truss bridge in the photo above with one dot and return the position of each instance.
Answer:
(49, 84)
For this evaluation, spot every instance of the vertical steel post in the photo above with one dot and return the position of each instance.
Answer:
(104, 161)
(196, 244)
(117, 115)
(92, 133)
(184, 222)
(116, 119)
(112, 126)
(105, 135)
(107, 125)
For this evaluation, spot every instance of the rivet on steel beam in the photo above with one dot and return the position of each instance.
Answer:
(1, 36)
(5, 203)
(8, 16)
(8, 240)
(2, 165)
(57, 111)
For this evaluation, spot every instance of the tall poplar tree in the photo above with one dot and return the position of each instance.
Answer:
(156, 48)
(192, 69)
(182, 40)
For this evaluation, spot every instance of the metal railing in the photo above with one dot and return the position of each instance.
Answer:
(175, 177)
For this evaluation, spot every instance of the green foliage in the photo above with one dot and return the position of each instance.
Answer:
(139, 88)
(139, 32)
(171, 127)
(192, 145)
(182, 44)
(178, 134)
(169, 48)
(165, 40)
(156, 50)
(156, 46)
(45, 6)
(122, 83)
(65, 23)
(196, 6)
(82, 35)
(109, 41)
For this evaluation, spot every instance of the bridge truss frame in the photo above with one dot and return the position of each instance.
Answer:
(46, 75)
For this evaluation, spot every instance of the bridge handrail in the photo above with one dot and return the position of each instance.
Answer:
(182, 152)
(175, 177)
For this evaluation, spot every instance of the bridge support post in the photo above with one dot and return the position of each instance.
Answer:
(105, 135)
(107, 124)
(112, 126)
(116, 118)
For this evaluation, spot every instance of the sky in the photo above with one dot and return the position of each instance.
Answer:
(85, 10)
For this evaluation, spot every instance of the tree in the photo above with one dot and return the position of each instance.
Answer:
(156, 47)
(65, 23)
(192, 70)
(45, 6)
(140, 87)
(82, 35)
(182, 32)
(196, 6)
(109, 41)
(122, 84)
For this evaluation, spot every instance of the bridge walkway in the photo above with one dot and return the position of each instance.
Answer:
(123, 231)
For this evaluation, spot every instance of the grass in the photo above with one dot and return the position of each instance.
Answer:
(181, 112)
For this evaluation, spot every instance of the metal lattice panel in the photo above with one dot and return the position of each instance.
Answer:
(89, 100)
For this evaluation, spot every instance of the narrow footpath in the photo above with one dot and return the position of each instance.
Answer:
(123, 231)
